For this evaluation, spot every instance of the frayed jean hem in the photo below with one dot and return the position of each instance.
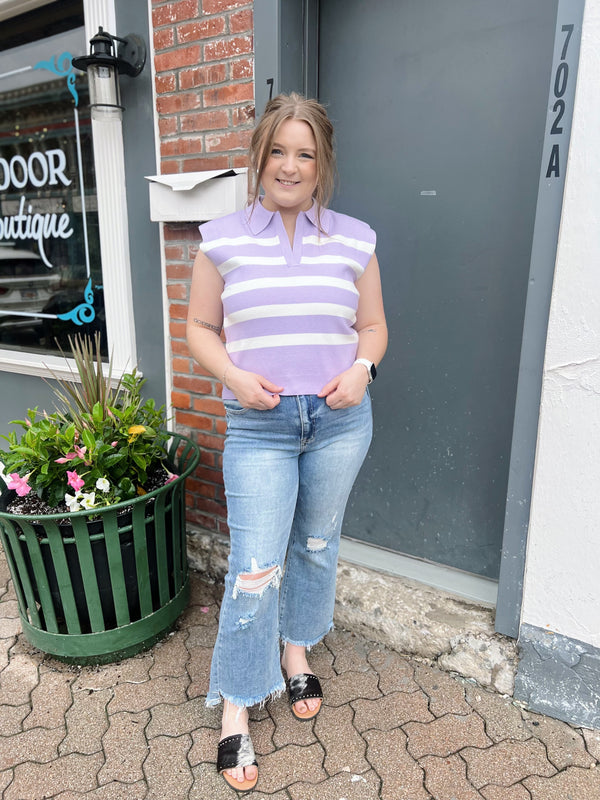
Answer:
(214, 698)
(308, 644)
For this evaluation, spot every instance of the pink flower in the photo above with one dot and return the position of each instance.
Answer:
(19, 484)
(79, 453)
(68, 457)
(74, 481)
(171, 477)
(114, 444)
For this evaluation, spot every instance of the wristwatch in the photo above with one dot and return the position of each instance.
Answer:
(370, 368)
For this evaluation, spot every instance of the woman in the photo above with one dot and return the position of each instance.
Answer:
(296, 289)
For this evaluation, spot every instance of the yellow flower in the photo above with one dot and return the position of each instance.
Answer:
(135, 431)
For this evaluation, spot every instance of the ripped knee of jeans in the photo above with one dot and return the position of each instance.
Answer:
(315, 543)
(257, 581)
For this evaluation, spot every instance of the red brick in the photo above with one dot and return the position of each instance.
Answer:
(177, 291)
(181, 147)
(207, 491)
(214, 6)
(180, 348)
(164, 38)
(168, 167)
(240, 161)
(175, 103)
(181, 400)
(223, 527)
(227, 48)
(198, 370)
(199, 164)
(193, 420)
(198, 385)
(193, 31)
(200, 519)
(204, 121)
(242, 68)
(210, 475)
(209, 506)
(223, 142)
(214, 442)
(221, 426)
(165, 83)
(241, 21)
(178, 310)
(209, 406)
(168, 126)
(174, 252)
(174, 12)
(177, 330)
(181, 365)
(179, 271)
(182, 57)
(202, 76)
(242, 115)
(181, 232)
(227, 95)
(207, 458)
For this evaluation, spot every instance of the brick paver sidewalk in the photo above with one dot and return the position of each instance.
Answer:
(391, 728)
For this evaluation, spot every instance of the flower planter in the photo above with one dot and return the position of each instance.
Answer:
(110, 581)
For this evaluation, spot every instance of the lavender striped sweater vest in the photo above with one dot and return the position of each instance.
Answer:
(288, 311)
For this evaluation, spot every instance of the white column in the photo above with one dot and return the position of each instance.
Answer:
(562, 587)
(109, 161)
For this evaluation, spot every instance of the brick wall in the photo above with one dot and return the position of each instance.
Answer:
(205, 103)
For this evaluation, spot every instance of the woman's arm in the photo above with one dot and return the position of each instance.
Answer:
(204, 322)
(348, 388)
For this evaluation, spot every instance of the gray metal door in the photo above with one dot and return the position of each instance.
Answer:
(440, 111)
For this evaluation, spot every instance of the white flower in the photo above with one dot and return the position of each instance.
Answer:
(88, 499)
(73, 501)
(103, 485)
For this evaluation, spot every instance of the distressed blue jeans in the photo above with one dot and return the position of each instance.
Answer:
(288, 474)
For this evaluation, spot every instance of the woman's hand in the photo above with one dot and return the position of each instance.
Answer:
(250, 389)
(347, 388)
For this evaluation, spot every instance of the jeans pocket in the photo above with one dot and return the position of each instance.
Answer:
(234, 408)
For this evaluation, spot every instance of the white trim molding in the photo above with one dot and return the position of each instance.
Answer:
(12, 8)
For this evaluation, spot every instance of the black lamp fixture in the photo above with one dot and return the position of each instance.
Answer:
(104, 67)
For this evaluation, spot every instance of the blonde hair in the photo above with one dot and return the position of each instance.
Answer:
(277, 111)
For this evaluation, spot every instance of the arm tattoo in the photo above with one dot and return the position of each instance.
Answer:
(215, 328)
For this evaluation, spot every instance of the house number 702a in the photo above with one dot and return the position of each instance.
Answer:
(561, 78)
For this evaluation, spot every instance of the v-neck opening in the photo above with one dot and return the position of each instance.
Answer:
(291, 252)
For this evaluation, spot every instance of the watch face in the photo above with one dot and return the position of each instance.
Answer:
(373, 372)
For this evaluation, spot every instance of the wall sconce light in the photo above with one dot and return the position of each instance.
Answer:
(104, 67)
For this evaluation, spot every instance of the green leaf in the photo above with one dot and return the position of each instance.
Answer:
(88, 440)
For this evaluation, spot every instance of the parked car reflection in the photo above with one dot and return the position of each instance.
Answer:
(26, 286)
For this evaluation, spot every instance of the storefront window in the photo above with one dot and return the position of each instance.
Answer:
(50, 270)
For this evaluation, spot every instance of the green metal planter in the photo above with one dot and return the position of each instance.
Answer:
(100, 585)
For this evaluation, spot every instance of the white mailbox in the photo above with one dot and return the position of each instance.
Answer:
(197, 196)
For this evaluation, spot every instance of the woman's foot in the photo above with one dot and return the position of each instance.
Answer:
(294, 663)
(234, 723)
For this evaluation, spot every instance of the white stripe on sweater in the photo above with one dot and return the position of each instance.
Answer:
(290, 310)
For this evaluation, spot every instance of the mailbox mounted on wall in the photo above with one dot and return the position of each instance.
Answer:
(197, 196)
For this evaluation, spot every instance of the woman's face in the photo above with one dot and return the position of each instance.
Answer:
(290, 175)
